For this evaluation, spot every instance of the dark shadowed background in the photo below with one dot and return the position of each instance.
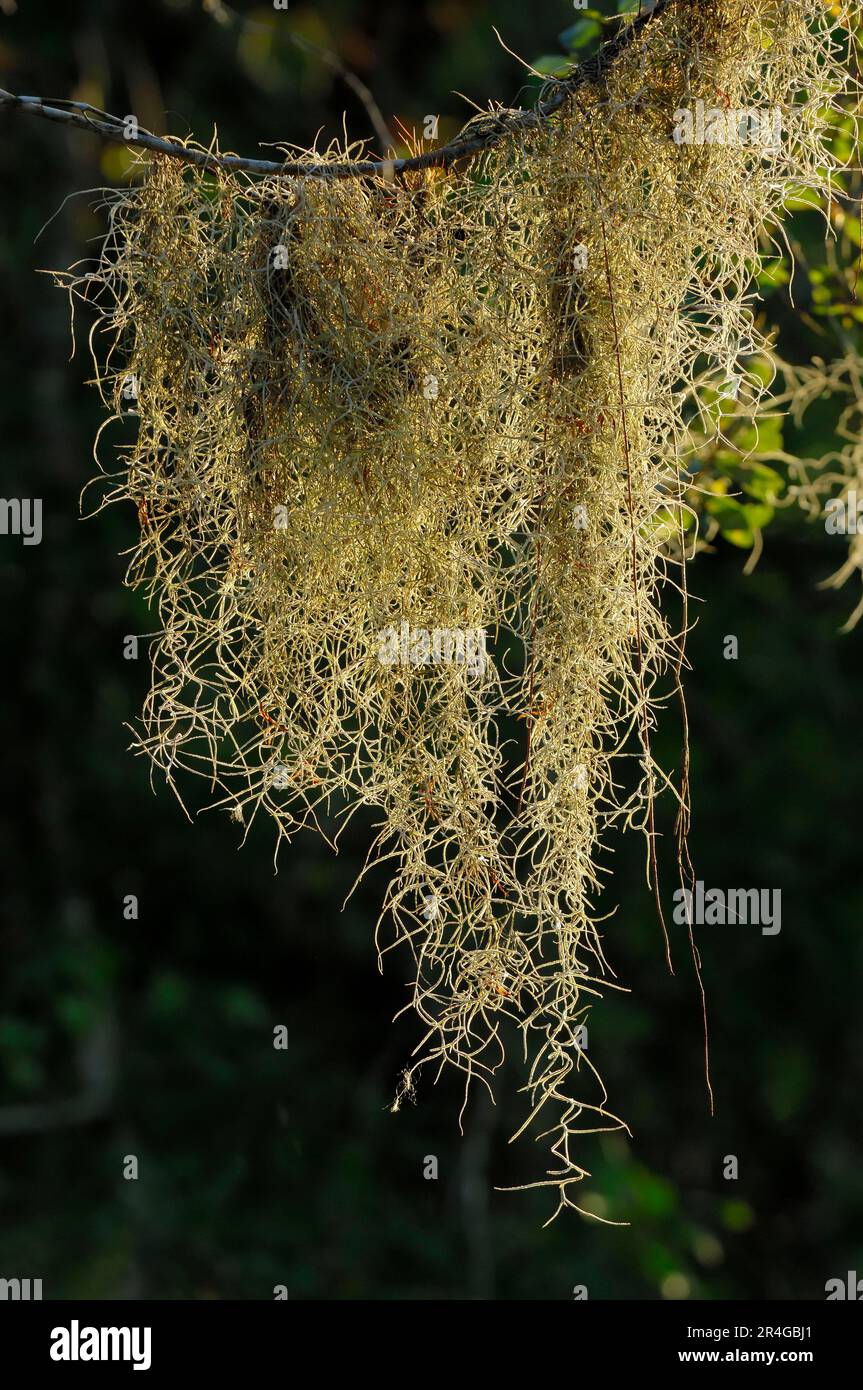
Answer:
(153, 1037)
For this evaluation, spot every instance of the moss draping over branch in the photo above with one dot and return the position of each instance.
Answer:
(454, 404)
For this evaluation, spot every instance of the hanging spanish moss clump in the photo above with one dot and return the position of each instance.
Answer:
(410, 477)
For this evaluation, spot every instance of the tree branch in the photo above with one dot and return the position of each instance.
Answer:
(478, 135)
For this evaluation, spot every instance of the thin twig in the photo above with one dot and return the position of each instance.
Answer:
(80, 115)
(225, 15)
(356, 84)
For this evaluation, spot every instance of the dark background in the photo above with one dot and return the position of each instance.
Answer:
(154, 1037)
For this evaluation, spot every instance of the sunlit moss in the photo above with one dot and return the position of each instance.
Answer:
(455, 401)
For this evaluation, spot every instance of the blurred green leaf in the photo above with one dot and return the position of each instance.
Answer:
(552, 65)
(582, 32)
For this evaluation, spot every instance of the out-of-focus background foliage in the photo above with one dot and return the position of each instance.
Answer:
(153, 1037)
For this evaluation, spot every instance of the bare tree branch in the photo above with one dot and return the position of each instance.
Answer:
(479, 134)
